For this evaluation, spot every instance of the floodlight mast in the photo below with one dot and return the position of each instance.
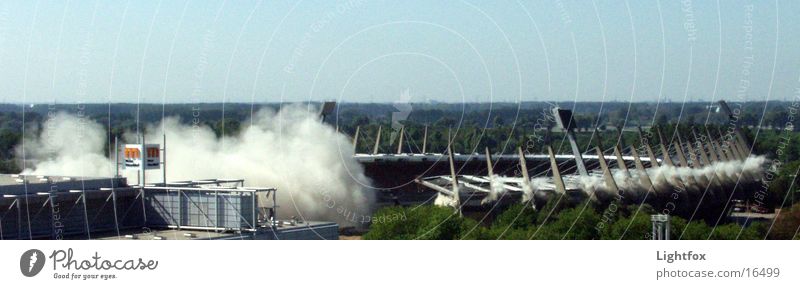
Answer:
(567, 123)
(142, 158)
(142, 161)
(116, 157)
(164, 159)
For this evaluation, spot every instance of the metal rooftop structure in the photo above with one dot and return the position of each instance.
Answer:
(57, 207)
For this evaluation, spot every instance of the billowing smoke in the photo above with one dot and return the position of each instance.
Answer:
(668, 179)
(496, 189)
(67, 145)
(309, 163)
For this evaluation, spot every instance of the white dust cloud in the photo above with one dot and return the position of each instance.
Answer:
(309, 163)
(666, 179)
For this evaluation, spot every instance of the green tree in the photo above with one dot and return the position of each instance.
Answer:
(423, 222)
(786, 224)
(573, 224)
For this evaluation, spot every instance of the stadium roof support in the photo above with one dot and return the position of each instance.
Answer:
(377, 142)
(456, 196)
(646, 143)
(425, 140)
(711, 153)
(620, 161)
(700, 146)
(718, 142)
(693, 154)
(642, 170)
(607, 176)
(355, 139)
(558, 181)
(739, 136)
(679, 152)
(400, 140)
(664, 152)
(526, 180)
(490, 174)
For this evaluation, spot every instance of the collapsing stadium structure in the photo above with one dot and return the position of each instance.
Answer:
(692, 178)
(697, 178)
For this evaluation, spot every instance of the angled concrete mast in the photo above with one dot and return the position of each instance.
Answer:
(646, 143)
(621, 161)
(377, 142)
(425, 140)
(355, 139)
(617, 154)
(712, 152)
(558, 182)
(665, 153)
(679, 152)
(739, 137)
(527, 189)
(701, 150)
(611, 184)
(722, 151)
(642, 170)
(456, 196)
(400, 141)
(693, 155)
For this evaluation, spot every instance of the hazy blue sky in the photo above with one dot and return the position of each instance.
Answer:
(365, 51)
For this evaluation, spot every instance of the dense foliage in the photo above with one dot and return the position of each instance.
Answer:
(582, 222)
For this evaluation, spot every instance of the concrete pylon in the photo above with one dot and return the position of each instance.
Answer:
(730, 143)
(696, 163)
(739, 137)
(679, 152)
(732, 153)
(449, 137)
(425, 140)
(490, 174)
(560, 188)
(642, 170)
(621, 161)
(701, 150)
(646, 143)
(717, 148)
(693, 155)
(742, 144)
(355, 139)
(527, 189)
(717, 151)
(666, 158)
(454, 180)
(653, 160)
(400, 140)
(712, 152)
(733, 148)
(741, 151)
(607, 175)
(489, 166)
(377, 142)
(617, 154)
(726, 149)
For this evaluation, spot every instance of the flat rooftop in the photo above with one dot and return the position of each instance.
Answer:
(299, 231)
